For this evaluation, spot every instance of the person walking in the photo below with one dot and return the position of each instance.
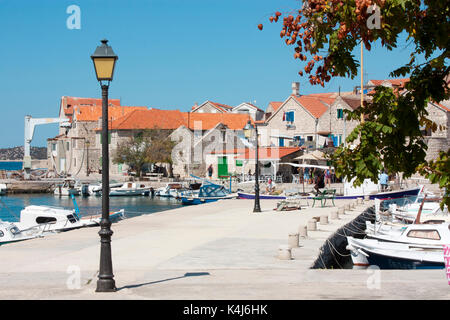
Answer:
(306, 175)
(210, 171)
(328, 177)
(319, 181)
(384, 179)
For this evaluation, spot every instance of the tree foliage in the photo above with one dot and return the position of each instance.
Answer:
(143, 147)
(327, 31)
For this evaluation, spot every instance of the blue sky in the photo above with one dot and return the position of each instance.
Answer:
(172, 54)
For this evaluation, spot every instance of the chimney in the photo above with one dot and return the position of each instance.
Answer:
(296, 89)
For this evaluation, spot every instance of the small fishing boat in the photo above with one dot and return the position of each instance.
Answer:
(392, 255)
(209, 192)
(9, 232)
(130, 189)
(3, 188)
(170, 190)
(417, 234)
(67, 188)
(48, 218)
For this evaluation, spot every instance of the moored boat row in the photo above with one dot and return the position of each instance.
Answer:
(393, 242)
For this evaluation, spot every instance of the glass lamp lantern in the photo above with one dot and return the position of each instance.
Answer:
(104, 60)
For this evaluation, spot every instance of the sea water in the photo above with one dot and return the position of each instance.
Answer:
(11, 165)
(11, 205)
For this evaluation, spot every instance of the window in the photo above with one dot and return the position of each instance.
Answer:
(281, 142)
(71, 218)
(74, 144)
(424, 234)
(53, 146)
(340, 114)
(74, 162)
(68, 145)
(310, 138)
(289, 116)
(41, 220)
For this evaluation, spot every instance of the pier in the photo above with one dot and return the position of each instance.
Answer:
(219, 250)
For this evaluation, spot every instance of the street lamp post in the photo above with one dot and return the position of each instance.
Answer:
(104, 61)
(248, 130)
(87, 157)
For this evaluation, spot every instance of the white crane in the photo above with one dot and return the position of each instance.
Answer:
(30, 123)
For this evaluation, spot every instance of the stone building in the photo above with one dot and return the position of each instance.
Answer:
(195, 134)
(74, 150)
(306, 120)
(244, 108)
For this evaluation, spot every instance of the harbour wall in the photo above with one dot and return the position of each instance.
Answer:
(333, 253)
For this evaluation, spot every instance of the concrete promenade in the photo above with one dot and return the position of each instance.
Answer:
(213, 251)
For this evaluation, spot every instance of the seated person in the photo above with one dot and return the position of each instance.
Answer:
(319, 182)
(270, 186)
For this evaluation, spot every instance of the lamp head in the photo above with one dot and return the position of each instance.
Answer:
(104, 60)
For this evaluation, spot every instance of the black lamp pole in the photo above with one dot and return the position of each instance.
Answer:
(105, 281)
(257, 207)
(104, 61)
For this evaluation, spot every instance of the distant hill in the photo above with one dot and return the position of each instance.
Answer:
(16, 153)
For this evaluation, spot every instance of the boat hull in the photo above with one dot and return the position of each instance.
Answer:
(388, 262)
(139, 192)
(242, 195)
(200, 200)
(386, 195)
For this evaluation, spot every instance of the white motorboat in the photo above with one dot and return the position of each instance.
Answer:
(392, 255)
(67, 188)
(57, 219)
(430, 211)
(3, 188)
(48, 218)
(9, 232)
(96, 188)
(130, 189)
(171, 190)
(417, 234)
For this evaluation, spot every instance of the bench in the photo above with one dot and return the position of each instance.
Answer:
(324, 196)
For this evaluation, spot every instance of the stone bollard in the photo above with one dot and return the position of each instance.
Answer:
(293, 240)
(334, 215)
(360, 200)
(312, 225)
(324, 219)
(341, 211)
(303, 231)
(347, 207)
(284, 252)
(366, 198)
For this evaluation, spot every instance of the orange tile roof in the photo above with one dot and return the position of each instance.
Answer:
(93, 113)
(267, 153)
(234, 121)
(275, 105)
(68, 103)
(172, 119)
(315, 105)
